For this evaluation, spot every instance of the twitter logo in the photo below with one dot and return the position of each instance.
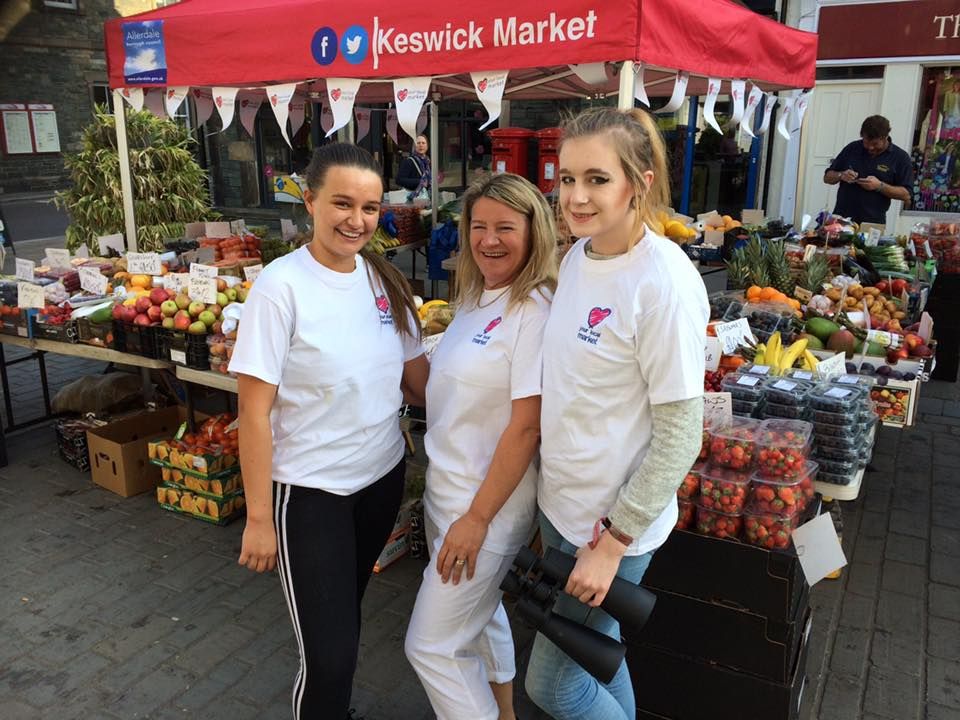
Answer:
(354, 44)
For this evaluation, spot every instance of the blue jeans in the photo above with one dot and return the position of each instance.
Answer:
(558, 685)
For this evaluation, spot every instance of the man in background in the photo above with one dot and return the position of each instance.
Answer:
(871, 172)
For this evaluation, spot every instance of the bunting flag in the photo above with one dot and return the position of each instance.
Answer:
(250, 101)
(679, 93)
(363, 123)
(639, 89)
(409, 94)
(279, 97)
(225, 98)
(202, 104)
(769, 101)
(803, 102)
(591, 73)
(422, 120)
(489, 87)
(342, 93)
(326, 118)
(737, 95)
(713, 90)
(753, 101)
(297, 110)
(153, 100)
(392, 126)
(785, 122)
(134, 96)
(174, 98)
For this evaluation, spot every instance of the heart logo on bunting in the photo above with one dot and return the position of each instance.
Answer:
(402, 95)
(335, 94)
(219, 101)
(126, 92)
(273, 100)
(598, 315)
(482, 85)
(171, 93)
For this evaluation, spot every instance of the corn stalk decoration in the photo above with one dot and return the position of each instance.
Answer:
(169, 187)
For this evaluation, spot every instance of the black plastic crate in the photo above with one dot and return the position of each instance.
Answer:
(72, 441)
(67, 332)
(184, 349)
(136, 339)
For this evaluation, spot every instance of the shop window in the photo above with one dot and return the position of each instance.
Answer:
(100, 95)
(61, 4)
(936, 143)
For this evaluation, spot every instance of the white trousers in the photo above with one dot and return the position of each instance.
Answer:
(459, 638)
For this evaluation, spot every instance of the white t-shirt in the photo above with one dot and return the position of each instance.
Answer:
(624, 333)
(487, 358)
(328, 343)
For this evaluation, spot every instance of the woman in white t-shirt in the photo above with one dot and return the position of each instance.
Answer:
(327, 341)
(622, 390)
(483, 428)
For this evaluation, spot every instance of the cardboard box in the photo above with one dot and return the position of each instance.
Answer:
(218, 487)
(670, 685)
(166, 453)
(728, 636)
(395, 548)
(203, 506)
(735, 574)
(118, 451)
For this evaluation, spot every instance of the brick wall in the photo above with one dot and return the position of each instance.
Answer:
(53, 56)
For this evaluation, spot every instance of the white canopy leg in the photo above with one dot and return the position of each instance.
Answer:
(434, 158)
(627, 85)
(126, 185)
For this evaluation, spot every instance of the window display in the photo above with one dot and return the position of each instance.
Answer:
(936, 184)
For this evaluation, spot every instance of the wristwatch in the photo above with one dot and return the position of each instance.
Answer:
(880, 188)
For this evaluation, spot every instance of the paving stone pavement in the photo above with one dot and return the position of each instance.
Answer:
(112, 608)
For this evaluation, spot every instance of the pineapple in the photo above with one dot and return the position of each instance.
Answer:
(753, 256)
(778, 267)
(814, 274)
(738, 272)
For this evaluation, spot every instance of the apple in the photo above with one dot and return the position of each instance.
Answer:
(182, 320)
(154, 313)
(207, 318)
(197, 328)
(143, 304)
(117, 312)
(221, 284)
(222, 299)
(215, 309)
(141, 319)
(128, 313)
(196, 307)
(168, 323)
(217, 328)
(168, 308)
(182, 301)
(231, 294)
(242, 294)
(159, 295)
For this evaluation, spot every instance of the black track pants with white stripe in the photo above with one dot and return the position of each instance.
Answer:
(327, 546)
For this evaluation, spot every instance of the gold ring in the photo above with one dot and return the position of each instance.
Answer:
(459, 562)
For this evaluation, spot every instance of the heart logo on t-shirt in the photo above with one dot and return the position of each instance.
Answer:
(402, 95)
(482, 85)
(383, 305)
(598, 315)
(335, 94)
(492, 324)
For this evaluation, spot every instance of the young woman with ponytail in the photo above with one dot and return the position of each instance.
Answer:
(328, 347)
(622, 390)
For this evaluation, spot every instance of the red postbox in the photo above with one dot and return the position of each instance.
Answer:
(548, 140)
(510, 150)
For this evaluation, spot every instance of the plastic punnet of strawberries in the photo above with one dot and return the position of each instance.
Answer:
(718, 524)
(55, 315)
(768, 530)
(734, 446)
(712, 380)
(686, 514)
(783, 448)
(723, 489)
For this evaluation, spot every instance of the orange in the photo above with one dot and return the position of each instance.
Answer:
(753, 292)
(767, 293)
(794, 303)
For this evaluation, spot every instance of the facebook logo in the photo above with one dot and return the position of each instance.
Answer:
(324, 46)
(355, 44)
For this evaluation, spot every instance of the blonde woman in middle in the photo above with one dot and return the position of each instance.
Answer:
(483, 432)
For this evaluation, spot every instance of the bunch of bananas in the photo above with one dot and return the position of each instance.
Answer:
(382, 241)
(779, 358)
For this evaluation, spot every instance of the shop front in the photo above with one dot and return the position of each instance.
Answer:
(909, 72)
